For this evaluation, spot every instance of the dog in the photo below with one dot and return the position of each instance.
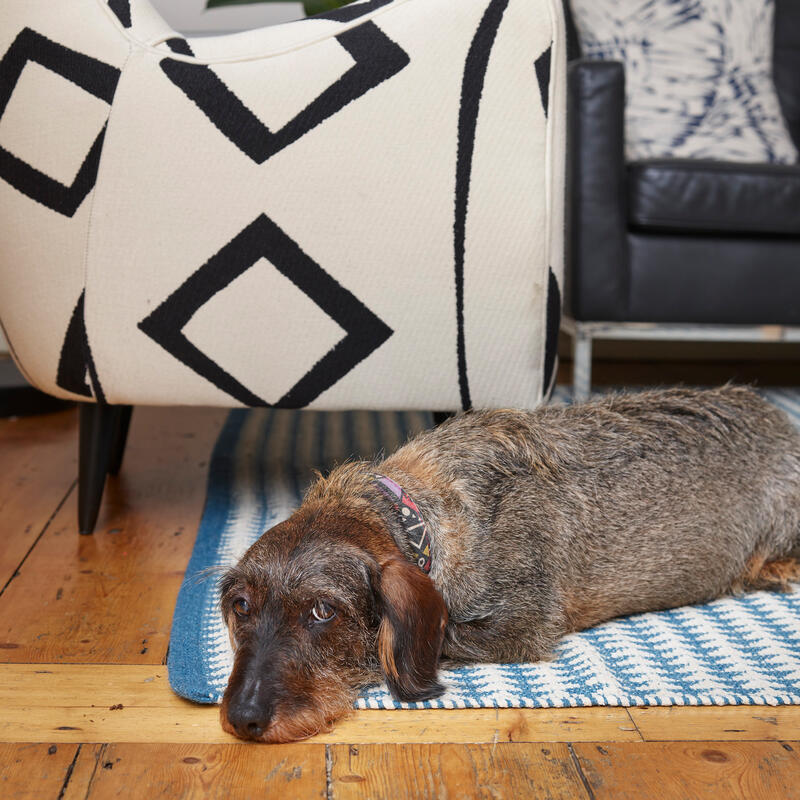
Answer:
(491, 536)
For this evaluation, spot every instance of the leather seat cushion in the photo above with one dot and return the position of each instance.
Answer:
(714, 197)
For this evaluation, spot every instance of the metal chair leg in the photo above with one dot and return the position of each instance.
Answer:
(581, 365)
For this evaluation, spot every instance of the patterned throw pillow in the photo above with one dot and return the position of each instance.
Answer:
(698, 76)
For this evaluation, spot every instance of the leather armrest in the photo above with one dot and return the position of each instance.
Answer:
(597, 244)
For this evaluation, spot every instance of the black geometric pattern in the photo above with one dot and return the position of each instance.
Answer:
(264, 239)
(471, 91)
(122, 8)
(179, 45)
(377, 59)
(76, 358)
(91, 75)
(542, 65)
(553, 326)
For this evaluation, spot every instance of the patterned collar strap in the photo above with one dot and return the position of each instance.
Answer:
(411, 520)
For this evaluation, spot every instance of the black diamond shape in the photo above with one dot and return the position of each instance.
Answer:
(91, 75)
(377, 59)
(264, 239)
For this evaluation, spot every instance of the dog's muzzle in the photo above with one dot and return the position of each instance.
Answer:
(250, 700)
(250, 709)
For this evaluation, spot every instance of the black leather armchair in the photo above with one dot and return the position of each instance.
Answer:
(678, 249)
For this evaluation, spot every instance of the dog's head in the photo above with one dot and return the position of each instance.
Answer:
(320, 606)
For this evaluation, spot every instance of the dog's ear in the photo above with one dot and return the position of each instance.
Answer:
(411, 632)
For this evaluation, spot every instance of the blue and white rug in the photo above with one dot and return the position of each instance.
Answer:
(732, 651)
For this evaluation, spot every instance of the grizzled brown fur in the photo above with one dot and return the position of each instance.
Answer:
(541, 523)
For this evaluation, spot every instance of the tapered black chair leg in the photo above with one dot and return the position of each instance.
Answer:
(98, 425)
(440, 416)
(123, 424)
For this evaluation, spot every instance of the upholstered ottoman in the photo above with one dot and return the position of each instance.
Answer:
(361, 209)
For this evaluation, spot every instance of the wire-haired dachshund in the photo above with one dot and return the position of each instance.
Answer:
(494, 534)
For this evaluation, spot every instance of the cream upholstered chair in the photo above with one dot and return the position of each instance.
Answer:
(359, 210)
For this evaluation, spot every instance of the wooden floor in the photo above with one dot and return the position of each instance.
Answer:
(86, 711)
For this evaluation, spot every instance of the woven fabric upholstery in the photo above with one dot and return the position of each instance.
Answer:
(358, 210)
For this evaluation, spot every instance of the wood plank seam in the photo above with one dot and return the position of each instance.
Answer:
(98, 758)
(633, 722)
(328, 773)
(69, 771)
(579, 769)
(39, 536)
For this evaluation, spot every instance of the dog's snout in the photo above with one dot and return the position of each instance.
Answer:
(249, 718)
(249, 704)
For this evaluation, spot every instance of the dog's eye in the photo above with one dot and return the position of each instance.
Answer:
(323, 612)
(241, 607)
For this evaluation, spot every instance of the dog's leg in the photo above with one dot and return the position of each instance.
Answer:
(772, 575)
(493, 640)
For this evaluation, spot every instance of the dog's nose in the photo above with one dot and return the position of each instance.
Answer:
(249, 719)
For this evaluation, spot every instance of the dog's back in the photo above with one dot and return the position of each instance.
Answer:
(628, 503)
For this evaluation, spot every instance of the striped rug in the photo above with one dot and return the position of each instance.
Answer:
(742, 650)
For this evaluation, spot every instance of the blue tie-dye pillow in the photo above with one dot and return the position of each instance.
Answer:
(698, 76)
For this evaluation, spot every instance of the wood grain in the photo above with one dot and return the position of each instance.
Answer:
(109, 597)
(107, 703)
(34, 770)
(697, 770)
(38, 466)
(724, 723)
(80, 703)
(485, 725)
(454, 770)
(201, 724)
(211, 772)
(87, 762)
(86, 685)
